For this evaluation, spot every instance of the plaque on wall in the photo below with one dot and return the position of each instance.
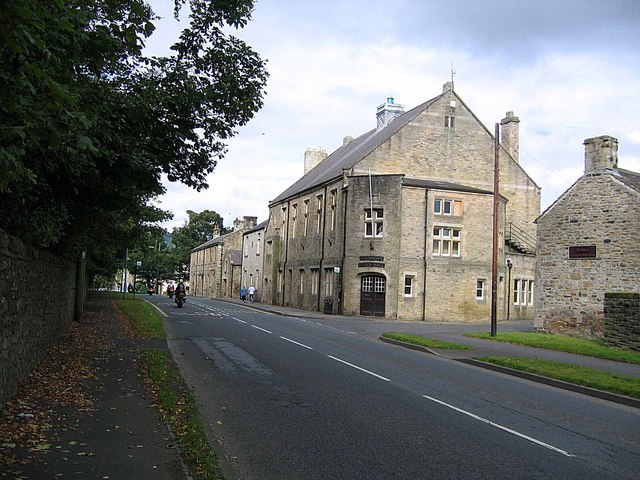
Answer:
(586, 251)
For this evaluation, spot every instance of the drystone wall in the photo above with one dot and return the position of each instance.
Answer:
(37, 299)
(622, 319)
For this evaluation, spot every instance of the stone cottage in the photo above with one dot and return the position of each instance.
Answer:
(252, 257)
(588, 244)
(398, 221)
(216, 265)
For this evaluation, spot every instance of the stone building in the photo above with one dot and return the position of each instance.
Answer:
(398, 221)
(252, 258)
(588, 244)
(216, 265)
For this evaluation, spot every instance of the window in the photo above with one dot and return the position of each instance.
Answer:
(294, 219)
(446, 241)
(449, 121)
(373, 226)
(315, 277)
(522, 292)
(284, 221)
(301, 281)
(328, 282)
(333, 209)
(319, 213)
(246, 246)
(480, 284)
(258, 245)
(408, 286)
(306, 216)
(442, 206)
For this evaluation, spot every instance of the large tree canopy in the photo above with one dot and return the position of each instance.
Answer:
(88, 126)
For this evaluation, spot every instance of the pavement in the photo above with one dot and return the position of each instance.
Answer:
(86, 411)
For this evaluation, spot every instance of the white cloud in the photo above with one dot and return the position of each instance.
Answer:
(567, 81)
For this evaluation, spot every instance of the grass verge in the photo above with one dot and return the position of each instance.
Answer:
(563, 343)
(173, 398)
(588, 377)
(424, 341)
(178, 404)
(142, 316)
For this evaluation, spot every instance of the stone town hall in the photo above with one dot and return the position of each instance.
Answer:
(398, 221)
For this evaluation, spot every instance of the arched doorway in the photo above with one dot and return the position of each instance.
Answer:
(373, 289)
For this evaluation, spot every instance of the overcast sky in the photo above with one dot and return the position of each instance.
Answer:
(569, 69)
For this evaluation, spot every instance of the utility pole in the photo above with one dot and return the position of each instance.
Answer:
(494, 259)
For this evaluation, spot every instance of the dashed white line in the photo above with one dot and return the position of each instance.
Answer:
(508, 430)
(297, 343)
(260, 328)
(238, 320)
(359, 368)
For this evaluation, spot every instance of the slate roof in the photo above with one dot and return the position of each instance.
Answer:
(440, 185)
(260, 226)
(235, 257)
(630, 179)
(214, 241)
(350, 154)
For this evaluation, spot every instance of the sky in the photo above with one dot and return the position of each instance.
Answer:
(569, 69)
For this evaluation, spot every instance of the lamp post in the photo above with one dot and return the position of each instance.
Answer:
(509, 265)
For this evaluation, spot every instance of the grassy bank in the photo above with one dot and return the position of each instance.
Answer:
(563, 343)
(424, 341)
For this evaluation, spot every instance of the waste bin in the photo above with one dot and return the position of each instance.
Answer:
(328, 306)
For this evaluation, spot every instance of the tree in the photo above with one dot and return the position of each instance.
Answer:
(88, 126)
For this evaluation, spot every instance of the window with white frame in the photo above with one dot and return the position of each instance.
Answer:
(449, 121)
(315, 277)
(301, 281)
(284, 221)
(294, 219)
(306, 216)
(480, 289)
(258, 245)
(373, 224)
(445, 206)
(408, 285)
(328, 282)
(318, 213)
(334, 194)
(522, 291)
(446, 242)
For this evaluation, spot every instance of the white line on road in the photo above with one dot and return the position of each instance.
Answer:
(238, 320)
(359, 368)
(297, 343)
(260, 328)
(508, 430)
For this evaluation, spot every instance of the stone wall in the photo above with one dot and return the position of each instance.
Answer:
(37, 296)
(622, 319)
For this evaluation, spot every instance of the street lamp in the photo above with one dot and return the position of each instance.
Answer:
(509, 265)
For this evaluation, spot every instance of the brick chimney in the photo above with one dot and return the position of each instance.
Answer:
(312, 157)
(387, 112)
(600, 155)
(510, 135)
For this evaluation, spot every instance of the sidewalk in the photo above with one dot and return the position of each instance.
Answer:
(454, 332)
(85, 412)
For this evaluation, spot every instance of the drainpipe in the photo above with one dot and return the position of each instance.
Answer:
(426, 239)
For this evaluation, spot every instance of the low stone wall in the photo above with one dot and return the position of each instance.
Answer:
(622, 319)
(37, 297)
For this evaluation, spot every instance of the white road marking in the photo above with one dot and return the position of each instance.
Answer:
(238, 320)
(508, 430)
(359, 368)
(260, 328)
(297, 343)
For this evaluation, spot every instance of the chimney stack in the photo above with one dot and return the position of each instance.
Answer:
(312, 157)
(600, 155)
(510, 133)
(387, 112)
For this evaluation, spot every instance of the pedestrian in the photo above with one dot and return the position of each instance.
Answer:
(252, 292)
(243, 294)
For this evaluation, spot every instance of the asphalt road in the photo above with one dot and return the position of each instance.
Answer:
(297, 398)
